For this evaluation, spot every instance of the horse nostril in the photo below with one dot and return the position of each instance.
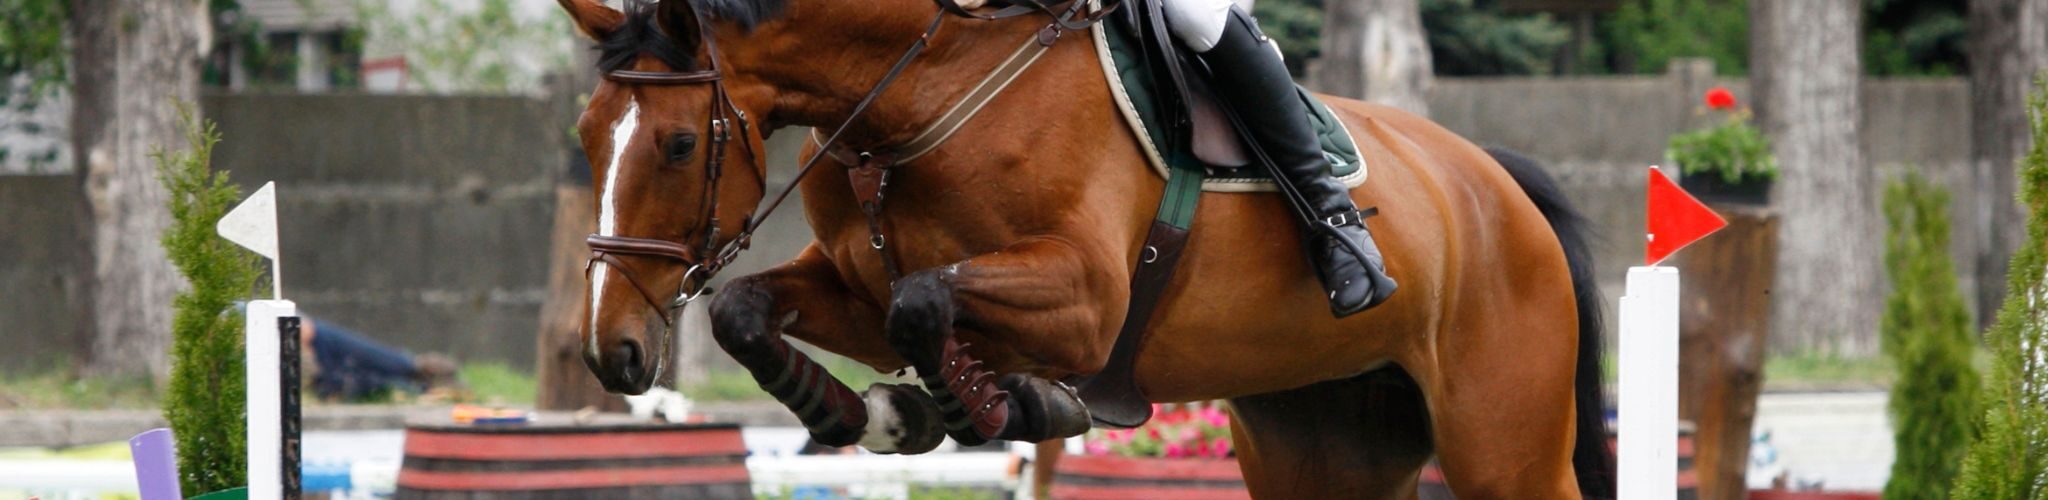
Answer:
(626, 356)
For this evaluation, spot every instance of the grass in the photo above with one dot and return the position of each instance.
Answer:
(57, 389)
(1811, 371)
(736, 385)
(497, 383)
(1820, 370)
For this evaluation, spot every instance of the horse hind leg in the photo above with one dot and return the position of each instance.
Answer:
(748, 319)
(1365, 437)
(1503, 407)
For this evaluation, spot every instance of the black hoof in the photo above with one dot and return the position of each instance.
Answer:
(1042, 409)
(902, 419)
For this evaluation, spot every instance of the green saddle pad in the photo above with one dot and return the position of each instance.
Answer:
(1130, 82)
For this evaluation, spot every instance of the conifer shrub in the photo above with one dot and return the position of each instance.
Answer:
(204, 402)
(2010, 458)
(1926, 333)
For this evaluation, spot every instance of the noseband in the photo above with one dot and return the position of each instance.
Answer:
(706, 260)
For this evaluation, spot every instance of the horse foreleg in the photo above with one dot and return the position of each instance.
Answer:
(1035, 296)
(806, 298)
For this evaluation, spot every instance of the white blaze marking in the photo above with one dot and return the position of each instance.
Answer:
(607, 216)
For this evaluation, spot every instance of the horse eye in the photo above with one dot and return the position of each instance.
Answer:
(681, 147)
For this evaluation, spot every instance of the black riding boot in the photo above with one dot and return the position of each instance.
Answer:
(1250, 75)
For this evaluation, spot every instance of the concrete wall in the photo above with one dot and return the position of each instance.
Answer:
(1597, 134)
(43, 268)
(420, 220)
(424, 220)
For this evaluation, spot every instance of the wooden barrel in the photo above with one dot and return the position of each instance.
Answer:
(549, 460)
(1089, 477)
(1433, 487)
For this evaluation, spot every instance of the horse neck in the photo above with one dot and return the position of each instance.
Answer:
(824, 56)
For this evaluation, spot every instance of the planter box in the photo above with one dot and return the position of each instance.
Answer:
(1709, 188)
(1088, 477)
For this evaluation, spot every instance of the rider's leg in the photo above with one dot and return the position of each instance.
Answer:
(1250, 75)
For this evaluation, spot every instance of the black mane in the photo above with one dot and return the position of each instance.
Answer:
(640, 34)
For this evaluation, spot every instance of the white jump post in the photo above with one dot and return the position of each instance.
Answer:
(1647, 416)
(271, 349)
(1648, 413)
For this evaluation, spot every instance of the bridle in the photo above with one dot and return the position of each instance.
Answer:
(725, 116)
(704, 261)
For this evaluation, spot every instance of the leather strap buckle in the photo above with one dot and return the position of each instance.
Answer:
(1344, 218)
(1350, 217)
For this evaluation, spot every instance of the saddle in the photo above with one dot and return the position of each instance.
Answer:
(1163, 91)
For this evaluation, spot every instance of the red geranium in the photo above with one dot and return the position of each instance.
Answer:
(1720, 98)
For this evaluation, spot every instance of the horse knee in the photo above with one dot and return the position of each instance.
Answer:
(739, 319)
(921, 313)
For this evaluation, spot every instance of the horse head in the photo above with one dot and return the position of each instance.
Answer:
(677, 171)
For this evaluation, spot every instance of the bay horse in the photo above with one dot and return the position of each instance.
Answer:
(1016, 238)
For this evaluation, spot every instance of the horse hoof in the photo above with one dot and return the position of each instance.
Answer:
(902, 419)
(1050, 410)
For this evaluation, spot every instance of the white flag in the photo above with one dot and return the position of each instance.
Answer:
(253, 224)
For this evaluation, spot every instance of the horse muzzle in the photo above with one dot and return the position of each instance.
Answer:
(626, 363)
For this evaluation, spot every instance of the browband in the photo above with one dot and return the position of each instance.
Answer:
(662, 77)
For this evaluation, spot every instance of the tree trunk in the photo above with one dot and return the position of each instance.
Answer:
(1375, 50)
(2008, 47)
(1807, 77)
(136, 60)
(565, 384)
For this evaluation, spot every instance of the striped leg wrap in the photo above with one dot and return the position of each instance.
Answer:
(835, 415)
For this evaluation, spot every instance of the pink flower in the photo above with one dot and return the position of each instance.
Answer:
(1175, 450)
(1097, 448)
(1215, 417)
(1219, 448)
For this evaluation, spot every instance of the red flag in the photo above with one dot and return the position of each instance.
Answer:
(1676, 219)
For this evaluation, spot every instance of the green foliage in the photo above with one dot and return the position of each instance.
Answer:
(497, 383)
(1915, 38)
(2010, 460)
(1466, 37)
(1472, 37)
(32, 42)
(452, 49)
(1926, 333)
(1735, 150)
(1645, 35)
(204, 402)
(1296, 25)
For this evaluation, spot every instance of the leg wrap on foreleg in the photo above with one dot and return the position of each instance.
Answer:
(834, 414)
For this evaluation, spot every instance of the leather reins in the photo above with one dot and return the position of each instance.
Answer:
(706, 260)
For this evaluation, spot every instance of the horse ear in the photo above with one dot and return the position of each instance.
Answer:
(593, 18)
(678, 20)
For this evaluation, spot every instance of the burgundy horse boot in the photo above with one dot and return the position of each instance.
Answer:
(976, 410)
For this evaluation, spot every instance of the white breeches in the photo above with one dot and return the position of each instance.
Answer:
(1197, 23)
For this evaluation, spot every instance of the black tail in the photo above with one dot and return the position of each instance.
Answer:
(1590, 455)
